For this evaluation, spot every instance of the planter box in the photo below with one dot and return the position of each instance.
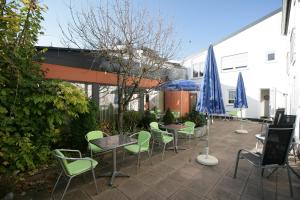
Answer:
(200, 131)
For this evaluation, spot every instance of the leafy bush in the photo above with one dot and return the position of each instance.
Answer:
(169, 117)
(147, 118)
(32, 109)
(81, 125)
(131, 120)
(198, 118)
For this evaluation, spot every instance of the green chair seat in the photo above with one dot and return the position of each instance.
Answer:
(80, 166)
(73, 166)
(166, 139)
(135, 148)
(142, 145)
(160, 136)
(94, 148)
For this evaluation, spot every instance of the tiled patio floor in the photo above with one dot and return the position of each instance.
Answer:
(179, 176)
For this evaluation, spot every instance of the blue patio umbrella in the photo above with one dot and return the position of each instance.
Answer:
(180, 85)
(210, 99)
(240, 100)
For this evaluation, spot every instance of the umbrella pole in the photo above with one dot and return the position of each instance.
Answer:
(206, 159)
(241, 119)
(241, 130)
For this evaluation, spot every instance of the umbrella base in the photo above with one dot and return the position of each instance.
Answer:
(207, 160)
(241, 131)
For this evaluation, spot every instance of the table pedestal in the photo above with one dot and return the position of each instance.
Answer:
(114, 173)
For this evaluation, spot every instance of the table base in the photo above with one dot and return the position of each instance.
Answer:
(113, 175)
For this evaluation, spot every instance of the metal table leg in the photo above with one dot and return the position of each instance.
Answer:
(114, 173)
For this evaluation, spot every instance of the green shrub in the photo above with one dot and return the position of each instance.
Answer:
(147, 118)
(32, 109)
(80, 126)
(198, 118)
(169, 117)
(131, 120)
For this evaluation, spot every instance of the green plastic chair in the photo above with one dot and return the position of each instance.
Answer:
(233, 114)
(188, 131)
(160, 136)
(141, 146)
(73, 166)
(176, 114)
(91, 147)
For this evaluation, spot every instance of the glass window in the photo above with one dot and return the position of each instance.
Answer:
(231, 96)
(235, 62)
(271, 56)
(198, 69)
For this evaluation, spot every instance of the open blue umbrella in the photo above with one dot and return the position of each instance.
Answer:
(240, 100)
(177, 85)
(210, 99)
(180, 85)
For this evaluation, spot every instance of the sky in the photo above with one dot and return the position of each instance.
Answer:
(197, 23)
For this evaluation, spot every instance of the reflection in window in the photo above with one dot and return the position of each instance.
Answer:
(198, 69)
(231, 96)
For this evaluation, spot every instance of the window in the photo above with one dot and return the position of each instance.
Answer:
(270, 56)
(234, 62)
(231, 96)
(198, 69)
(293, 47)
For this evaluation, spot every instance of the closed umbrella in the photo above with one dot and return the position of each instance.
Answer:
(180, 85)
(210, 100)
(240, 100)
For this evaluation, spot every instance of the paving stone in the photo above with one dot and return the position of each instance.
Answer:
(185, 194)
(151, 194)
(112, 194)
(167, 187)
(133, 188)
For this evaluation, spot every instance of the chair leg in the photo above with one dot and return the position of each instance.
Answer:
(236, 163)
(152, 146)
(150, 157)
(290, 181)
(93, 172)
(163, 153)
(66, 188)
(262, 186)
(138, 161)
(56, 184)
(124, 151)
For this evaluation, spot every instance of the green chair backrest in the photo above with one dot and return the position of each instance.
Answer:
(154, 126)
(93, 135)
(176, 114)
(155, 130)
(61, 158)
(233, 113)
(144, 139)
(190, 124)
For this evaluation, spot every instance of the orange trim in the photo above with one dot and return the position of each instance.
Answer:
(74, 74)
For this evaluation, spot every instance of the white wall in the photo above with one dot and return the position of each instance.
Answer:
(256, 41)
(293, 65)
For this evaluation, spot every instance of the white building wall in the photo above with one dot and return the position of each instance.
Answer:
(258, 40)
(293, 66)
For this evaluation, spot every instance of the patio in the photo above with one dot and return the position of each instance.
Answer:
(178, 176)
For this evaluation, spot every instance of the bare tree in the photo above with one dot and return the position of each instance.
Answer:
(135, 44)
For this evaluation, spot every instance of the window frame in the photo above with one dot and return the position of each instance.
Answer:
(230, 99)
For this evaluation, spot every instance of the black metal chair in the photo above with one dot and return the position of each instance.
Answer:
(272, 121)
(275, 152)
